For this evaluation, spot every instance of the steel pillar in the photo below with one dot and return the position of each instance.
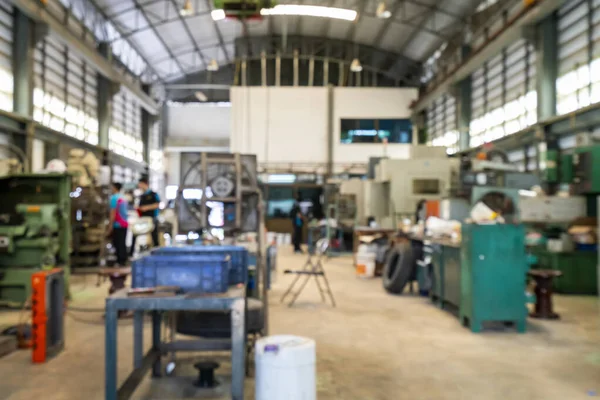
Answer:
(147, 123)
(23, 47)
(546, 43)
(330, 130)
(464, 108)
(106, 91)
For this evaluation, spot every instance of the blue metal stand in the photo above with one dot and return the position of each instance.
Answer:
(233, 300)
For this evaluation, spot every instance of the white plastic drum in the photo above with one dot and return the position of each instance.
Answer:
(285, 368)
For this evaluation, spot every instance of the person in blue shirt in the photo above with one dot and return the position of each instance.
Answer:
(118, 223)
(149, 206)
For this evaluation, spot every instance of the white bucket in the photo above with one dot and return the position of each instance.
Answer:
(365, 265)
(285, 368)
(280, 239)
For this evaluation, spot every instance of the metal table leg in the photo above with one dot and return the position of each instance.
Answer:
(110, 362)
(238, 348)
(156, 324)
(138, 338)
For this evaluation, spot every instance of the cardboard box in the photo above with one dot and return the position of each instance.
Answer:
(584, 234)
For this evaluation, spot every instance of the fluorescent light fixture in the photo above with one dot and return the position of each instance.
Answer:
(187, 9)
(281, 178)
(382, 12)
(192, 194)
(201, 96)
(311, 11)
(527, 193)
(355, 66)
(213, 65)
(217, 15)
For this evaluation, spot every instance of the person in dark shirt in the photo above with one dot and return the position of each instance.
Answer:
(298, 224)
(149, 206)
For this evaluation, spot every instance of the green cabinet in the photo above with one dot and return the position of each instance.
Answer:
(493, 275)
(579, 270)
(452, 275)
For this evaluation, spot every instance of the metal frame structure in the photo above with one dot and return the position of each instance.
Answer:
(234, 300)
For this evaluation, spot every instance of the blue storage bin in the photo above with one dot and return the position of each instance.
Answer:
(238, 272)
(193, 273)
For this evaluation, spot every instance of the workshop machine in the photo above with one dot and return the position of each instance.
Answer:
(35, 231)
(89, 209)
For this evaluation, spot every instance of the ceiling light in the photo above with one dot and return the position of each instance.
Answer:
(187, 9)
(355, 65)
(382, 12)
(311, 11)
(217, 15)
(201, 96)
(213, 65)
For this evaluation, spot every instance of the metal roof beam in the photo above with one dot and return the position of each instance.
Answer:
(119, 29)
(159, 37)
(189, 33)
(38, 12)
(310, 40)
(507, 35)
(351, 33)
(219, 35)
(439, 10)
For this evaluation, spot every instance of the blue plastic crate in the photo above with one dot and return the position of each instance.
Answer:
(238, 272)
(193, 273)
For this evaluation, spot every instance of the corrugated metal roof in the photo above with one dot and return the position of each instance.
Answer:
(414, 30)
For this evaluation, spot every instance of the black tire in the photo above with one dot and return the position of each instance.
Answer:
(217, 324)
(398, 269)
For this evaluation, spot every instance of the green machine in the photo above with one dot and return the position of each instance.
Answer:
(35, 230)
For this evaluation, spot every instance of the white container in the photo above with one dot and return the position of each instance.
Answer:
(285, 368)
(280, 239)
(365, 265)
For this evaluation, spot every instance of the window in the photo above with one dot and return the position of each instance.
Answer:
(280, 201)
(6, 43)
(376, 131)
(65, 96)
(125, 133)
(578, 84)
(157, 159)
(441, 124)
(504, 98)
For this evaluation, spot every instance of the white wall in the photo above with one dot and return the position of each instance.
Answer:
(280, 124)
(289, 124)
(386, 103)
(199, 120)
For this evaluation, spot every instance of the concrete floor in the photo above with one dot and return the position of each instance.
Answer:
(373, 346)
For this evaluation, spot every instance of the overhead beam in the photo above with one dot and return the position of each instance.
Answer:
(511, 32)
(38, 12)
(218, 32)
(160, 38)
(189, 33)
(313, 40)
(119, 29)
(351, 33)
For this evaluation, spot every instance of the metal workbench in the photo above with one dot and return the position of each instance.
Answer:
(233, 300)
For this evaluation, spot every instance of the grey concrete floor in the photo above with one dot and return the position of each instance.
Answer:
(372, 346)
